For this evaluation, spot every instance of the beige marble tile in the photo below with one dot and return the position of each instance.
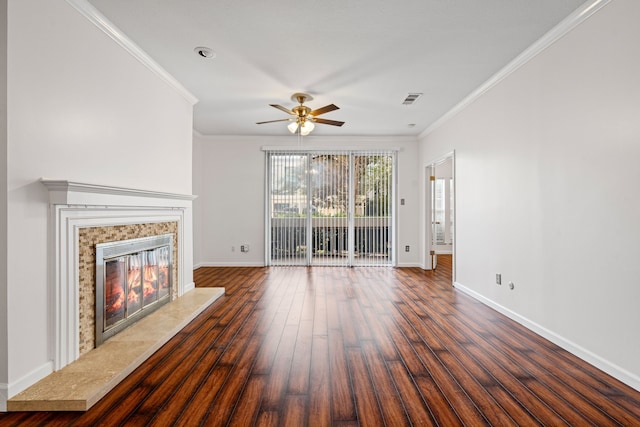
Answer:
(82, 383)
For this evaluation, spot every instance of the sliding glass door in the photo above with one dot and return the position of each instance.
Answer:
(288, 207)
(373, 210)
(329, 178)
(330, 208)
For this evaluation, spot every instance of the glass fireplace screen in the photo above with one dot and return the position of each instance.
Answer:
(133, 278)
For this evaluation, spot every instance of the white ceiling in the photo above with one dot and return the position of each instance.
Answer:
(363, 55)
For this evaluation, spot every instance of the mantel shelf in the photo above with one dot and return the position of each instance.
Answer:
(63, 192)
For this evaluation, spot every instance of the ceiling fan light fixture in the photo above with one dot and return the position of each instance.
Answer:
(293, 127)
(306, 128)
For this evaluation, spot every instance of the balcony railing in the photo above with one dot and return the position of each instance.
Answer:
(329, 240)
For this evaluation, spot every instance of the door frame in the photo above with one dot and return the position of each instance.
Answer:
(428, 212)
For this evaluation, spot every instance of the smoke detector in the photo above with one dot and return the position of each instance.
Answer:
(205, 52)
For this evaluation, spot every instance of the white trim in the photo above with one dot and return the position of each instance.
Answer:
(230, 264)
(565, 26)
(66, 224)
(316, 142)
(254, 264)
(395, 214)
(94, 16)
(406, 265)
(4, 396)
(189, 286)
(427, 260)
(307, 148)
(63, 192)
(75, 205)
(429, 168)
(22, 383)
(267, 209)
(610, 368)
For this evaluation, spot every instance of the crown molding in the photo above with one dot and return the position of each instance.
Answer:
(87, 10)
(286, 149)
(565, 26)
(291, 141)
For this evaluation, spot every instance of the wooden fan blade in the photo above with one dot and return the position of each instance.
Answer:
(328, 122)
(280, 107)
(273, 121)
(324, 110)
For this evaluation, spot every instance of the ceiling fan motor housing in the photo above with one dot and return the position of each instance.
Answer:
(301, 111)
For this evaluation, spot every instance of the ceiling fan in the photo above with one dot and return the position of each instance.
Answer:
(304, 117)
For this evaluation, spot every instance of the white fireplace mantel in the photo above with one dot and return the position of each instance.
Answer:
(62, 192)
(77, 205)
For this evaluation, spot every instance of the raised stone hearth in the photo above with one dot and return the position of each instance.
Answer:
(79, 385)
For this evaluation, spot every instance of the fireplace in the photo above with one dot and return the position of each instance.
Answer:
(133, 279)
(83, 215)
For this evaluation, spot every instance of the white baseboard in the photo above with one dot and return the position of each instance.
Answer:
(612, 369)
(189, 286)
(9, 390)
(424, 267)
(228, 264)
(4, 395)
(253, 264)
(409, 264)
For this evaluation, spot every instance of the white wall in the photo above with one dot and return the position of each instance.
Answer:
(232, 194)
(197, 203)
(80, 108)
(537, 200)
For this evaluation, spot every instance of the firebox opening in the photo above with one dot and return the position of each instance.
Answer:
(133, 278)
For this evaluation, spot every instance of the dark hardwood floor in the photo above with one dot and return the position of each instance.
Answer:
(354, 346)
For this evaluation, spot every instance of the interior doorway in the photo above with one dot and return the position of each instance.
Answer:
(440, 214)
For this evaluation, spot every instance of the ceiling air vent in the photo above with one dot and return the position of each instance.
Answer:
(411, 98)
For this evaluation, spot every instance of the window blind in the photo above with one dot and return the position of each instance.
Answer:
(330, 208)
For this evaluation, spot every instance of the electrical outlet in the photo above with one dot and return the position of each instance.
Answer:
(498, 279)
(402, 202)
(244, 248)
(406, 248)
